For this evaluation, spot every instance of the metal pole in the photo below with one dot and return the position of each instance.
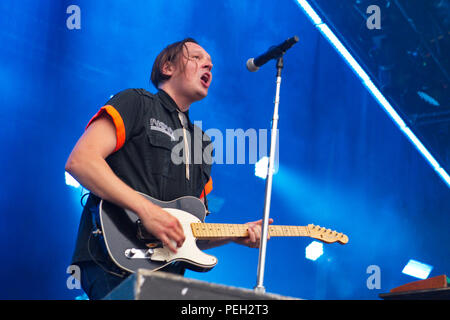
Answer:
(273, 139)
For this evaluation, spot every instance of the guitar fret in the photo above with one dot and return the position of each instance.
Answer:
(277, 231)
(204, 230)
(244, 229)
(236, 231)
(219, 230)
(230, 230)
(304, 231)
(227, 229)
(273, 231)
(286, 230)
(280, 231)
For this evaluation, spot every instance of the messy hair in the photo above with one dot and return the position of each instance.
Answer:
(171, 53)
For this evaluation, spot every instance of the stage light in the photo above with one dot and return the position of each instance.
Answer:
(417, 269)
(70, 181)
(428, 99)
(326, 31)
(262, 167)
(82, 297)
(310, 11)
(314, 250)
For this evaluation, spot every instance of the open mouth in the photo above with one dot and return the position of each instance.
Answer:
(205, 79)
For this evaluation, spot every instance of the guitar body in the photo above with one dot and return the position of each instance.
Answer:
(131, 252)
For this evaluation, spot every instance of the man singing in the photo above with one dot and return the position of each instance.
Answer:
(126, 149)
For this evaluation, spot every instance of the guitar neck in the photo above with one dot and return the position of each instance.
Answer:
(222, 230)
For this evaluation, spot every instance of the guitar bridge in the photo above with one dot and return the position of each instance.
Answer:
(134, 253)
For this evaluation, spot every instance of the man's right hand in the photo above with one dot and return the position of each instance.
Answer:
(163, 226)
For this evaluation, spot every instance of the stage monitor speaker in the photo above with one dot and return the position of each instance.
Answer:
(150, 285)
(436, 288)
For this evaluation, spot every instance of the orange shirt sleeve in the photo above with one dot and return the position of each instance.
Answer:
(118, 123)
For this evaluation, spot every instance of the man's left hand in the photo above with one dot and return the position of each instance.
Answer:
(254, 234)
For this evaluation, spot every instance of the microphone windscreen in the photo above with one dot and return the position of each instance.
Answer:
(251, 65)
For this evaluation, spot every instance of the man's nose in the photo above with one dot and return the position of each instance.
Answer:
(207, 65)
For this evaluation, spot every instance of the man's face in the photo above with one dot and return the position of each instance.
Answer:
(196, 78)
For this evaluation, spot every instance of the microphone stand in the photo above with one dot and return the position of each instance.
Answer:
(259, 288)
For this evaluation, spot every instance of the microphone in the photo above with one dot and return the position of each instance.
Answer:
(274, 52)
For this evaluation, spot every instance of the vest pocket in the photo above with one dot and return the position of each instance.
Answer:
(159, 157)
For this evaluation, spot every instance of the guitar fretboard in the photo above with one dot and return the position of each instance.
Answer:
(213, 230)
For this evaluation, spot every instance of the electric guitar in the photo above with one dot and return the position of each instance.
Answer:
(131, 247)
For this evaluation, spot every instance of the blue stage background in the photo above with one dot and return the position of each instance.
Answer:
(343, 162)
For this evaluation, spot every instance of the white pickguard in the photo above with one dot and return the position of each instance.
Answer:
(189, 251)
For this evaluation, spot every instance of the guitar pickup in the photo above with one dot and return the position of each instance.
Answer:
(142, 234)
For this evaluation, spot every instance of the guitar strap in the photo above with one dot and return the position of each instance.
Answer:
(93, 203)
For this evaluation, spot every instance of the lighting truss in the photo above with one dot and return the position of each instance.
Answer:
(331, 37)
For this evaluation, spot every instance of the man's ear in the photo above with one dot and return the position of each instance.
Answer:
(168, 68)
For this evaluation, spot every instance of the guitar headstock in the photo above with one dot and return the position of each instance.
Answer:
(326, 235)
